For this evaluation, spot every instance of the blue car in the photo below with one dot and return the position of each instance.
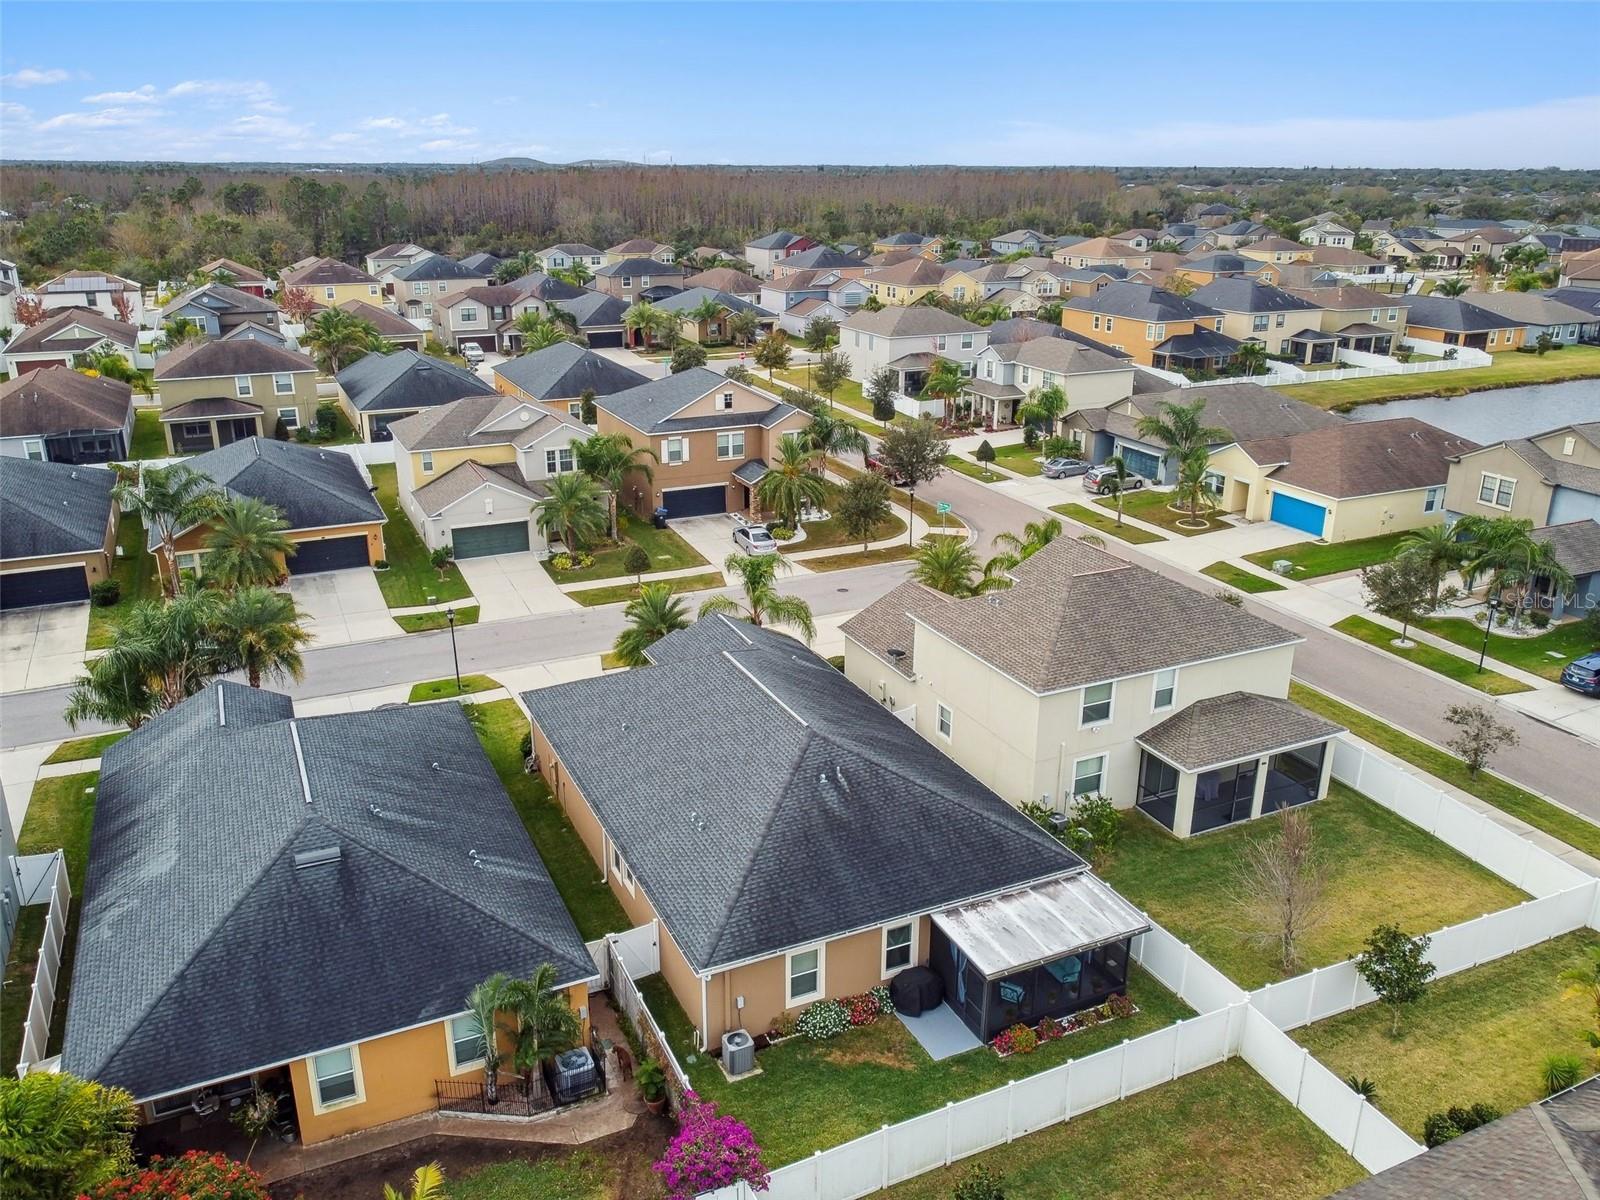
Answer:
(1583, 675)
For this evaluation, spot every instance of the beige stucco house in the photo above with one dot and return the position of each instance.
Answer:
(214, 393)
(1007, 374)
(1551, 478)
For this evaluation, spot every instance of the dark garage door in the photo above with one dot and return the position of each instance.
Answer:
(59, 585)
(476, 541)
(603, 338)
(696, 502)
(330, 554)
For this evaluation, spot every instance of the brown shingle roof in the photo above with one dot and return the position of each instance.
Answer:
(1224, 729)
(44, 336)
(57, 399)
(208, 360)
(913, 272)
(1362, 458)
(725, 279)
(1576, 544)
(388, 324)
(321, 272)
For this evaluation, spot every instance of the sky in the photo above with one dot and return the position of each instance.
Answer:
(1279, 84)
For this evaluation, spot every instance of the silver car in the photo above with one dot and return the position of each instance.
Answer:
(1063, 468)
(754, 539)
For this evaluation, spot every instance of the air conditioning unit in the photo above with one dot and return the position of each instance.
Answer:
(574, 1075)
(738, 1052)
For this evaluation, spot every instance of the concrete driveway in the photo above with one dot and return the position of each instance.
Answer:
(634, 362)
(512, 585)
(343, 606)
(42, 647)
(712, 537)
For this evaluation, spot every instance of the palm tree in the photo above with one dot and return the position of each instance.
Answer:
(790, 485)
(1584, 981)
(945, 380)
(337, 338)
(484, 1003)
(1117, 481)
(1252, 356)
(607, 458)
(1046, 406)
(763, 603)
(1451, 287)
(247, 543)
(427, 1183)
(1438, 547)
(655, 613)
(170, 501)
(650, 323)
(1504, 549)
(704, 313)
(577, 274)
(163, 654)
(744, 325)
(557, 315)
(946, 565)
(1180, 429)
(258, 631)
(831, 436)
(524, 262)
(1190, 490)
(1036, 535)
(108, 364)
(573, 509)
(988, 314)
(545, 1023)
(538, 332)
(179, 332)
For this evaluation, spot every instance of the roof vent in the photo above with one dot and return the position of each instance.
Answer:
(316, 858)
(994, 601)
(896, 654)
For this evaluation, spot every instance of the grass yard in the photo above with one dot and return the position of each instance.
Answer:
(847, 395)
(611, 661)
(824, 535)
(1379, 866)
(1106, 523)
(812, 1095)
(667, 551)
(584, 1176)
(1533, 654)
(1441, 662)
(135, 569)
(1236, 577)
(621, 593)
(928, 512)
(1508, 370)
(1481, 1034)
(149, 439)
(410, 580)
(1019, 457)
(60, 816)
(445, 689)
(1312, 560)
(429, 621)
(1441, 764)
(501, 726)
(971, 470)
(1152, 508)
(1219, 1134)
(859, 558)
(85, 747)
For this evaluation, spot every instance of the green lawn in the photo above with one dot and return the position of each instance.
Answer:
(812, 1095)
(1219, 1134)
(135, 570)
(1152, 508)
(1236, 577)
(621, 593)
(1532, 654)
(928, 512)
(1477, 1035)
(824, 535)
(1019, 457)
(149, 439)
(501, 726)
(1314, 559)
(445, 689)
(846, 395)
(410, 580)
(1441, 764)
(667, 551)
(1508, 370)
(429, 621)
(584, 1176)
(971, 470)
(60, 816)
(1104, 523)
(858, 558)
(85, 747)
(1379, 867)
(1441, 662)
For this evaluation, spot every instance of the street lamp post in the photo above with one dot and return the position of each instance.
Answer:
(450, 619)
(1493, 605)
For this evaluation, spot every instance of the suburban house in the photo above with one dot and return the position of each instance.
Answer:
(629, 278)
(418, 289)
(1581, 270)
(377, 390)
(1586, 301)
(395, 254)
(373, 858)
(768, 887)
(213, 393)
(1237, 233)
(1177, 706)
(1246, 411)
(1352, 479)
(392, 328)
(820, 258)
(907, 340)
(1100, 252)
(1359, 318)
(329, 281)
(1157, 327)
(914, 243)
(713, 329)
(57, 340)
(795, 319)
(483, 263)
(1280, 251)
(661, 252)
(727, 279)
(906, 282)
(599, 319)
(1289, 326)
(1328, 233)
(481, 315)
(842, 291)
(1488, 242)
(1540, 316)
(60, 415)
(1348, 262)
(1030, 241)
(1576, 546)
(763, 253)
(569, 254)
(1457, 322)
(1006, 374)
(333, 519)
(59, 535)
(219, 309)
(1550, 478)
(99, 291)
(1218, 264)
(712, 438)
(250, 331)
(559, 375)
(236, 275)
(470, 474)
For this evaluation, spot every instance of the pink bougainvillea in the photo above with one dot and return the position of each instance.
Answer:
(709, 1151)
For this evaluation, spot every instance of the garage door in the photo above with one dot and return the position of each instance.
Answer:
(1299, 514)
(475, 541)
(604, 338)
(39, 364)
(696, 502)
(1141, 462)
(330, 554)
(59, 585)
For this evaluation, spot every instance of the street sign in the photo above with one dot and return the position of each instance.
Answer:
(942, 507)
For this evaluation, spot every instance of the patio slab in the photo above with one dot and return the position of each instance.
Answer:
(941, 1033)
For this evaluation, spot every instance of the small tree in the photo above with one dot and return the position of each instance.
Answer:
(863, 505)
(820, 333)
(297, 305)
(1482, 733)
(985, 454)
(586, 412)
(880, 391)
(1395, 966)
(198, 1174)
(29, 311)
(979, 1183)
(686, 356)
(60, 1135)
(772, 353)
(832, 369)
(914, 451)
(636, 562)
(1400, 589)
(1281, 885)
(441, 559)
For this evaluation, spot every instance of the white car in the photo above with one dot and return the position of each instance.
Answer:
(754, 539)
(472, 352)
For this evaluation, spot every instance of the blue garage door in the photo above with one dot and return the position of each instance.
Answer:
(1299, 514)
(1143, 463)
(696, 502)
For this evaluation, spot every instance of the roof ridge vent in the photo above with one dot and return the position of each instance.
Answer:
(300, 761)
(317, 858)
(222, 707)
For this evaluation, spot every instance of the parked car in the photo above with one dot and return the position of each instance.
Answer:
(754, 539)
(1583, 675)
(1063, 468)
(878, 466)
(472, 352)
(1103, 480)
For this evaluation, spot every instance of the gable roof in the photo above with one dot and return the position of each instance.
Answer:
(215, 360)
(56, 400)
(594, 310)
(324, 272)
(1058, 354)
(724, 279)
(909, 320)
(406, 379)
(482, 264)
(565, 370)
(1235, 294)
(690, 298)
(820, 258)
(773, 241)
(435, 266)
(571, 250)
(468, 476)
(1449, 312)
(88, 281)
(1362, 458)
(193, 873)
(460, 423)
(744, 861)
(652, 407)
(237, 269)
(387, 323)
(53, 508)
(911, 272)
(1142, 302)
(639, 266)
(47, 334)
(641, 246)
(219, 297)
(1561, 472)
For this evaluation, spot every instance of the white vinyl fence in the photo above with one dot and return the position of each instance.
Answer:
(634, 951)
(43, 880)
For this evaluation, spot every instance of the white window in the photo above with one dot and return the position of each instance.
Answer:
(488, 504)
(1568, 445)
(1096, 708)
(558, 462)
(1496, 490)
(988, 368)
(725, 402)
(427, 462)
(443, 288)
(1161, 331)
(675, 450)
(1494, 336)
(960, 292)
(283, 385)
(730, 445)
(1097, 320)
(644, 281)
(1279, 322)
(1027, 375)
(290, 417)
(1218, 324)
(327, 293)
(898, 947)
(966, 341)
(1166, 690)
(1109, 324)
(621, 871)
(1149, 332)
(33, 450)
(467, 1048)
(242, 385)
(1433, 500)
(420, 289)
(803, 976)
(427, 310)
(1393, 313)
(469, 315)
(336, 1079)
(1088, 774)
(947, 721)
(938, 342)
(189, 561)
(627, 281)
(372, 289)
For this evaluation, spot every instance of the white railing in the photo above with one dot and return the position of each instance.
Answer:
(625, 992)
(43, 879)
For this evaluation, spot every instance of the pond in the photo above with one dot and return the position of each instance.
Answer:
(1503, 413)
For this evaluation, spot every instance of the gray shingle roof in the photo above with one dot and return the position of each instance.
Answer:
(910, 320)
(219, 297)
(786, 821)
(324, 271)
(1362, 458)
(773, 241)
(221, 359)
(467, 477)
(1238, 725)
(406, 379)
(389, 324)
(1234, 294)
(1447, 312)
(578, 249)
(192, 877)
(1562, 472)
(1246, 410)
(482, 264)
(820, 258)
(651, 407)
(1202, 341)
(548, 287)
(636, 267)
(55, 400)
(567, 370)
(459, 424)
(52, 508)
(725, 279)
(594, 310)
(1067, 356)
(1576, 544)
(1142, 302)
(437, 266)
(690, 298)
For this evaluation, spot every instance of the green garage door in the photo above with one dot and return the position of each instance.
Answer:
(475, 541)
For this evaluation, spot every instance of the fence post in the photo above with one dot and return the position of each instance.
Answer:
(1299, 1084)
(1066, 1094)
(1122, 1072)
(1183, 972)
(884, 1158)
(1355, 1133)
(1011, 1108)
(1311, 993)
(949, 1130)
(1177, 1044)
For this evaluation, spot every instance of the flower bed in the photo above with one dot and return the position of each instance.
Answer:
(1025, 1039)
(830, 1018)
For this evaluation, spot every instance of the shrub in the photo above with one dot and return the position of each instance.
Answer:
(1030, 437)
(1018, 1039)
(106, 593)
(1441, 1127)
(1539, 619)
(195, 1176)
(1089, 1018)
(822, 1020)
(381, 565)
(1559, 1072)
(1050, 1029)
(585, 560)
(885, 1000)
(979, 1183)
(782, 1025)
(709, 1151)
(863, 1009)
(526, 745)
(561, 562)
(651, 1079)
(1096, 814)
(1362, 1086)
(781, 533)
(1121, 1006)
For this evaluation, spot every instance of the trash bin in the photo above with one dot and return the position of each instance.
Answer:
(660, 518)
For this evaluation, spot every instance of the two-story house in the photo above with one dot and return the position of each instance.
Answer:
(1328, 233)
(236, 275)
(1457, 322)
(395, 254)
(819, 258)
(1029, 240)
(1550, 478)
(219, 309)
(377, 390)
(826, 285)
(649, 248)
(907, 340)
(1098, 252)
(418, 289)
(1005, 375)
(331, 282)
(559, 376)
(712, 438)
(1359, 318)
(1276, 250)
(565, 255)
(1286, 324)
(99, 291)
(1157, 327)
(765, 252)
(905, 282)
(478, 314)
(1092, 676)
(213, 393)
(1201, 269)
(630, 278)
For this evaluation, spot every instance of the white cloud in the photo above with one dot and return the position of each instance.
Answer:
(254, 92)
(35, 77)
(383, 123)
(140, 95)
(103, 118)
(261, 125)
(441, 144)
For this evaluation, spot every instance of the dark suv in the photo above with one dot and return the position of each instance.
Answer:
(1583, 675)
